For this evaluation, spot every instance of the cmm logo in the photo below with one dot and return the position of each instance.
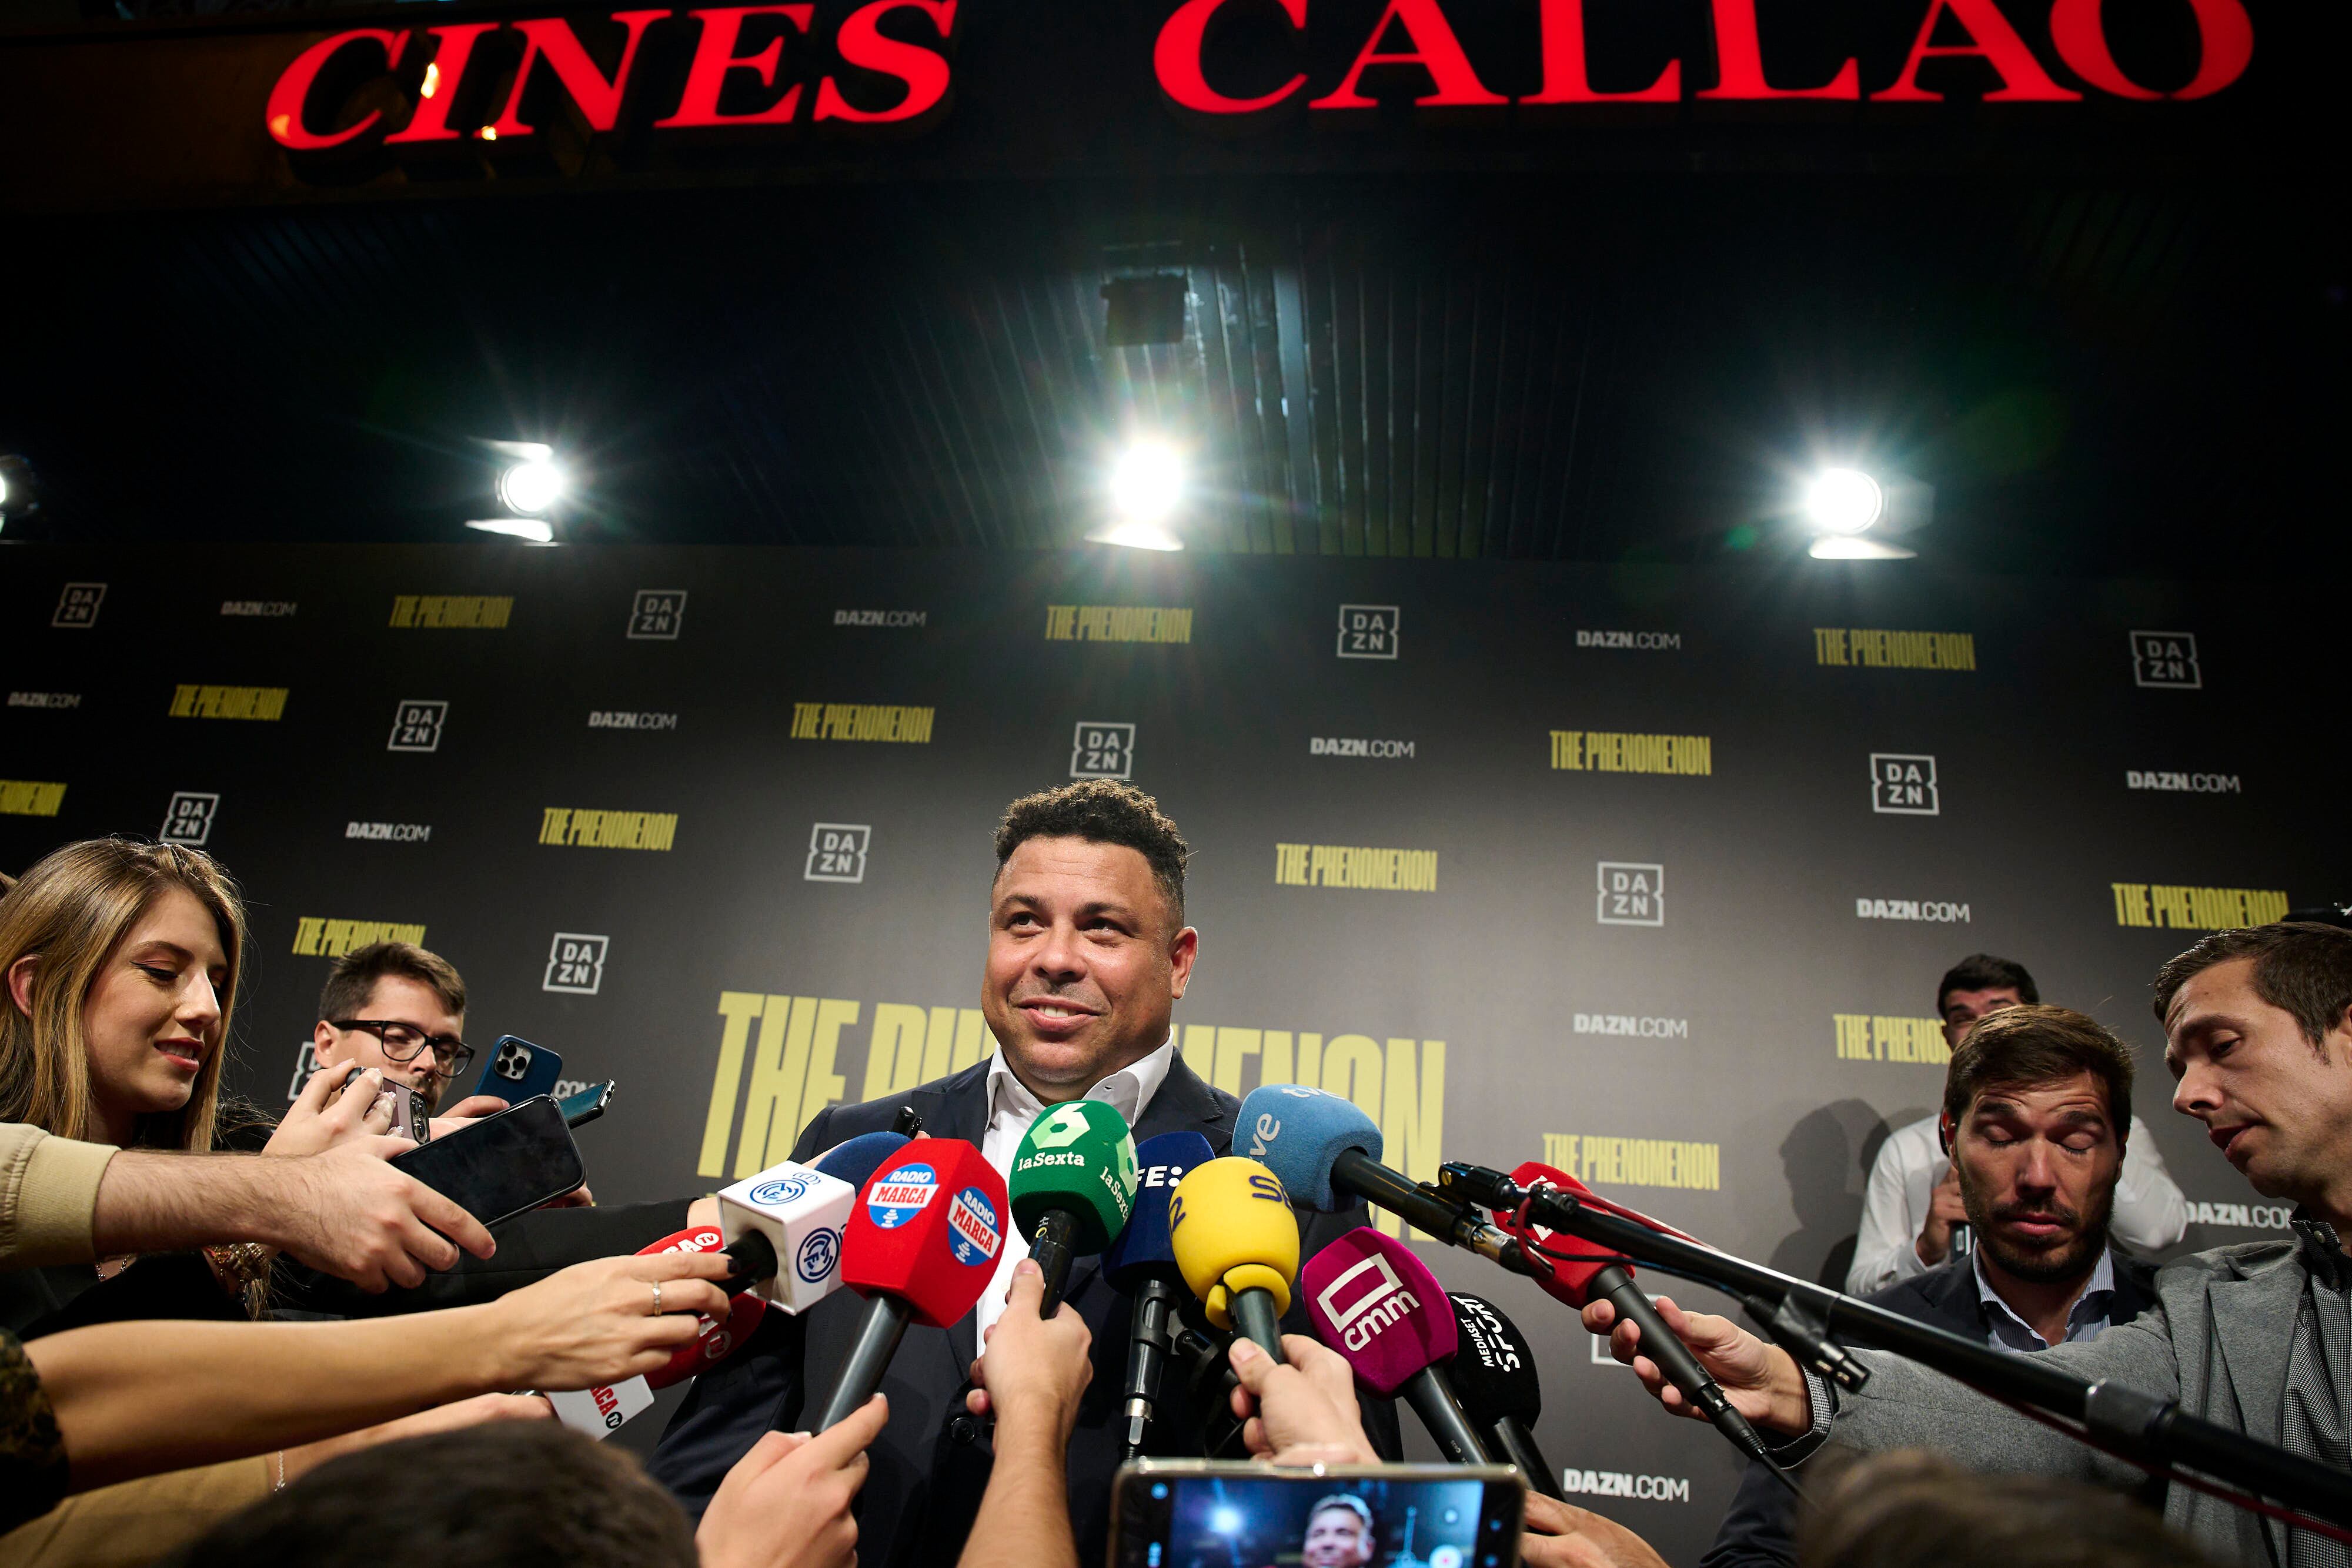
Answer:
(1904, 786)
(78, 605)
(1631, 893)
(838, 851)
(1102, 750)
(416, 724)
(656, 615)
(575, 963)
(2167, 659)
(1369, 631)
(1373, 1303)
(188, 819)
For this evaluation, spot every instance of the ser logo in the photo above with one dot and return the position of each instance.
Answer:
(1101, 750)
(2166, 658)
(655, 614)
(1904, 786)
(575, 963)
(416, 724)
(188, 819)
(1369, 631)
(838, 851)
(78, 606)
(1631, 893)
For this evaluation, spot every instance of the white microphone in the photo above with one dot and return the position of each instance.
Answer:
(603, 1410)
(799, 1212)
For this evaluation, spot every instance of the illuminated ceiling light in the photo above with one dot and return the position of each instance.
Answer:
(531, 486)
(1843, 501)
(431, 83)
(533, 531)
(1846, 547)
(4, 490)
(1146, 482)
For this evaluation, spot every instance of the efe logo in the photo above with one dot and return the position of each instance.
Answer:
(188, 819)
(575, 963)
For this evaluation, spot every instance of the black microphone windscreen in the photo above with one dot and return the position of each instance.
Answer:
(1494, 1370)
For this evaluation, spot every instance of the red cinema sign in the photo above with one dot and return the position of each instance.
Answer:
(1418, 34)
(730, 63)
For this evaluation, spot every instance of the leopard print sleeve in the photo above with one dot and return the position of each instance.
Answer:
(32, 1453)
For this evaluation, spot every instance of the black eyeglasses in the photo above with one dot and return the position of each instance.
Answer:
(403, 1042)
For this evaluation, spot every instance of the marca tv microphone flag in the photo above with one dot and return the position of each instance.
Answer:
(604, 1408)
(1143, 1250)
(1380, 1306)
(928, 1230)
(1077, 1158)
(1230, 1224)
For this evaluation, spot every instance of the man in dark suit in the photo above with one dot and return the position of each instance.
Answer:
(1087, 953)
(2037, 1107)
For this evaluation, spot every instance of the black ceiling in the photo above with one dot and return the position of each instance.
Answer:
(2107, 377)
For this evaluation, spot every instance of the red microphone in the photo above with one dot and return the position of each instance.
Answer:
(607, 1407)
(1577, 1271)
(921, 1245)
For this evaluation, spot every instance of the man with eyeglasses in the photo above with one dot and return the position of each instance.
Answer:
(400, 1010)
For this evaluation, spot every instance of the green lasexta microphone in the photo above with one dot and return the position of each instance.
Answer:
(1073, 1187)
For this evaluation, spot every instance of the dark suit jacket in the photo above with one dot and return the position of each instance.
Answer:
(1759, 1528)
(931, 1463)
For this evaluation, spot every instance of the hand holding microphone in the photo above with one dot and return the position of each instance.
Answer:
(1229, 1222)
(1382, 1309)
(1301, 1411)
(1072, 1187)
(603, 1321)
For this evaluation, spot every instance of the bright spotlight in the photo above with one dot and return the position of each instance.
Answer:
(531, 486)
(1844, 547)
(1225, 1521)
(1843, 501)
(1146, 482)
(1136, 536)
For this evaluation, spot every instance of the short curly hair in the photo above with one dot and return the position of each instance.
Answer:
(1101, 811)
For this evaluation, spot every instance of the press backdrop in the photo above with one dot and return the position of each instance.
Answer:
(1651, 873)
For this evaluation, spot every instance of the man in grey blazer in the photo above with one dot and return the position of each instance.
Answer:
(2258, 1025)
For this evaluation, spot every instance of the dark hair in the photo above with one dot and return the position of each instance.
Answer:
(2016, 1047)
(1101, 811)
(507, 1494)
(1911, 1509)
(1984, 972)
(352, 979)
(2300, 967)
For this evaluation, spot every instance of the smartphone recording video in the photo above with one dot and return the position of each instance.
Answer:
(1177, 1516)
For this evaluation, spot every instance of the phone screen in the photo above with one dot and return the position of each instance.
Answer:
(1432, 1516)
(502, 1165)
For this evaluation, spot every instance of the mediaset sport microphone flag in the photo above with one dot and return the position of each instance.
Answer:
(1230, 1224)
(1381, 1308)
(1142, 1263)
(1072, 1187)
(1494, 1372)
(921, 1245)
(1577, 1271)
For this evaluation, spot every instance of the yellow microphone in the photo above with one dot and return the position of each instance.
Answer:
(1236, 1245)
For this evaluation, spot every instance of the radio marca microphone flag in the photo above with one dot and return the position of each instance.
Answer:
(1577, 1271)
(1386, 1313)
(1142, 1263)
(1073, 1187)
(604, 1408)
(1230, 1224)
(1494, 1372)
(921, 1246)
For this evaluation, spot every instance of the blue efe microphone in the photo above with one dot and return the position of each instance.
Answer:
(1326, 1152)
(1142, 1262)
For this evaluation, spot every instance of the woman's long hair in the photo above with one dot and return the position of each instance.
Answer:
(73, 909)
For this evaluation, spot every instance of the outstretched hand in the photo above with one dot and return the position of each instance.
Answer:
(1304, 1413)
(1761, 1380)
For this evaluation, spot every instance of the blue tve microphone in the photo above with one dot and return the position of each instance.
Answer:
(856, 1161)
(1142, 1263)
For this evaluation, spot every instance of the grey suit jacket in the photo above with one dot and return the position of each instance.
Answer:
(2217, 1341)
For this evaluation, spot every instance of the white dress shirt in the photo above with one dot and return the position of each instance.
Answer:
(1012, 1108)
(2150, 1214)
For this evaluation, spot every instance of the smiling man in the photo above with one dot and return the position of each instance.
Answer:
(2258, 1026)
(1087, 953)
